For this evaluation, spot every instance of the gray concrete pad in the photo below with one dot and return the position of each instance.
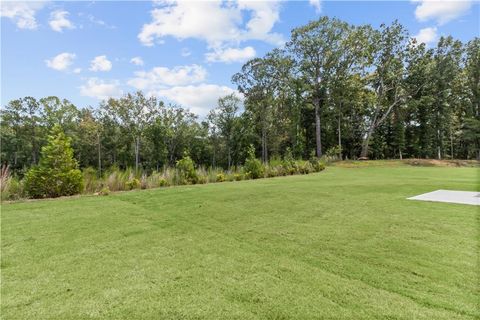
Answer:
(462, 197)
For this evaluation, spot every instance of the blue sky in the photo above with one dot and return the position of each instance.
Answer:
(184, 52)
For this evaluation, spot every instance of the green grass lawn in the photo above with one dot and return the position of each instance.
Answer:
(341, 244)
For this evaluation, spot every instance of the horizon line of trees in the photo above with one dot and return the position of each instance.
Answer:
(352, 90)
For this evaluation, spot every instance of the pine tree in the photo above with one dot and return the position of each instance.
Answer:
(57, 173)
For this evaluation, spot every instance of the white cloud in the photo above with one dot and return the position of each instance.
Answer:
(21, 13)
(442, 11)
(100, 63)
(185, 52)
(138, 61)
(198, 98)
(99, 22)
(230, 55)
(317, 5)
(58, 21)
(264, 15)
(160, 77)
(77, 70)
(61, 62)
(193, 19)
(100, 89)
(426, 35)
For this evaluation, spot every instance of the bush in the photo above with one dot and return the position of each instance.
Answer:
(144, 183)
(274, 171)
(57, 174)
(11, 188)
(4, 181)
(305, 167)
(186, 170)
(238, 176)
(317, 164)
(90, 179)
(114, 180)
(201, 179)
(254, 168)
(202, 175)
(133, 183)
(104, 191)
(162, 182)
(170, 176)
(289, 164)
(16, 189)
(220, 177)
(334, 152)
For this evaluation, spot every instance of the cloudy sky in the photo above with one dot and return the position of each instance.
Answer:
(182, 51)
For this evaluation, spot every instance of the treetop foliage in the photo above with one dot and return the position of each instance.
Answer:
(371, 92)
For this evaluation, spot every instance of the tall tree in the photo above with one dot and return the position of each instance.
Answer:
(317, 48)
(223, 118)
(386, 79)
(447, 57)
(134, 112)
(255, 82)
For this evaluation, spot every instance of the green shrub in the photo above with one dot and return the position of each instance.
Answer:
(104, 191)
(202, 175)
(201, 179)
(317, 164)
(305, 167)
(274, 171)
(113, 182)
(57, 174)
(11, 188)
(220, 177)
(133, 183)
(16, 189)
(238, 176)
(254, 168)
(289, 164)
(144, 181)
(170, 176)
(162, 182)
(334, 152)
(186, 170)
(91, 180)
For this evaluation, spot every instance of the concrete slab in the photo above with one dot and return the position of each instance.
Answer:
(462, 197)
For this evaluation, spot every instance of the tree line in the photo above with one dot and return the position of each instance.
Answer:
(335, 88)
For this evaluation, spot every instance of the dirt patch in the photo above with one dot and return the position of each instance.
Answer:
(442, 163)
(410, 162)
(367, 163)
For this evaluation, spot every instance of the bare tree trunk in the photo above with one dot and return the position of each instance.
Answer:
(137, 152)
(439, 149)
(99, 155)
(340, 131)
(34, 146)
(264, 144)
(366, 142)
(229, 157)
(214, 153)
(266, 147)
(318, 128)
(451, 145)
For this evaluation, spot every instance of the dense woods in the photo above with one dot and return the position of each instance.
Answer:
(335, 88)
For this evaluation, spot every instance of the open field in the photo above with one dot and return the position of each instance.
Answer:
(341, 244)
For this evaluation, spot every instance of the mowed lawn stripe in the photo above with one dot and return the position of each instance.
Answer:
(344, 243)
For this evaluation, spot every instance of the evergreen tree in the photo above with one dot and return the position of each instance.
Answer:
(57, 173)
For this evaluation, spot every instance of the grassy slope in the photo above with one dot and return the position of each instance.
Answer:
(340, 244)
